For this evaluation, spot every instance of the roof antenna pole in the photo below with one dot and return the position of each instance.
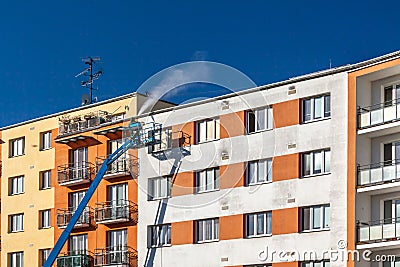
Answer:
(91, 77)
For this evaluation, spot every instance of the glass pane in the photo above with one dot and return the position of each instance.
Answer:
(261, 119)
(251, 122)
(270, 118)
(210, 180)
(306, 164)
(208, 229)
(327, 106)
(200, 234)
(327, 160)
(306, 218)
(260, 224)
(202, 131)
(261, 172)
(327, 216)
(269, 170)
(307, 110)
(317, 212)
(269, 223)
(210, 130)
(251, 172)
(250, 224)
(317, 162)
(318, 108)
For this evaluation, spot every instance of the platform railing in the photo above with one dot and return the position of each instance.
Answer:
(116, 256)
(378, 173)
(64, 216)
(116, 211)
(379, 231)
(378, 114)
(72, 173)
(75, 259)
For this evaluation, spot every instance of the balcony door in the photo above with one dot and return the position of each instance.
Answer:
(391, 154)
(117, 246)
(391, 94)
(78, 244)
(79, 160)
(120, 164)
(118, 196)
(74, 200)
(391, 212)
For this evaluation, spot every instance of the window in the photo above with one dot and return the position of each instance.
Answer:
(165, 137)
(159, 187)
(16, 185)
(45, 180)
(258, 224)
(316, 108)
(78, 244)
(207, 180)
(208, 130)
(16, 259)
(44, 216)
(259, 119)
(159, 235)
(43, 255)
(259, 171)
(16, 223)
(316, 162)
(207, 230)
(315, 217)
(117, 240)
(45, 140)
(324, 263)
(17, 147)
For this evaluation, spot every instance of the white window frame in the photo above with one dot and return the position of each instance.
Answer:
(252, 218)
(312, 108)
(214, 132)
(81, 243)
(45, 180)
(268, 121)
(201, 230)
(43, 255)
(160, 187)
(323, 263)
(326, 160)
(159, 235)
(207, 180)
(324, 211)
(17, 147)
(16, 223)
(46, 140)
(16, 185)
(16, 259)
(45, 219)
(266, 171)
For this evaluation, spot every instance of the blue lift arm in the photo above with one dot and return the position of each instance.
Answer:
(82, 205)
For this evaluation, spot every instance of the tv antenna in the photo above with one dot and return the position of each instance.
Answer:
(91, 76)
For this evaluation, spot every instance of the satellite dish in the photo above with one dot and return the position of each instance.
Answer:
(85, 99)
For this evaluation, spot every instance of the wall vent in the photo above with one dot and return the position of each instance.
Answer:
(225, 207)
(225, 105)
(291, 90)
(224, 155)
(291, 200)
(224, 259)
(290, 146)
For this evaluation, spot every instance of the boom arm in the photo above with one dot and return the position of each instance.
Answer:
(82, 205)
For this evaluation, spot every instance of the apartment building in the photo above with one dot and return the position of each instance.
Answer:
(257, 178)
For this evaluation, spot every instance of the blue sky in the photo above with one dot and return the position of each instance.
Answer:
(42, 42)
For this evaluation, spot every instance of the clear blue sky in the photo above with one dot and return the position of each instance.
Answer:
(42, 42)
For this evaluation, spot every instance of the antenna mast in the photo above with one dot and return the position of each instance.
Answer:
(91, 77)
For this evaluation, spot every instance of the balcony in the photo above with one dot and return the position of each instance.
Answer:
(116, 212)
(76, 124)
(64, 216)
(379, 114)
(379, 231)
(383, 174)
(74, 259)
(71, 175)
(123, 166)
(122, 256)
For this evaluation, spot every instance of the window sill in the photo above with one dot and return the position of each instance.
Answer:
(322, 119)
(208, 191)
(158, 198)
(44, 228)
(16, 156)
(259, 236)
(207, 241)
(315, 175)
(45, 188)
(163, 246)
(316, 230)
(44, 149)
(16, 194)
(14, 232)
(260, 131)
(259, 183)
(207, 141)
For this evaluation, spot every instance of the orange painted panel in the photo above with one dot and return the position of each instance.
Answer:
(182, 233)
(285, 221)
(189, 129)
(232, 175)
(286, 264)
(183, 184)
(232, 124)
(286, 113)
(286, 167)
(231, 227)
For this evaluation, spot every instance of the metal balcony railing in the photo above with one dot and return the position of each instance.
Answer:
(74, 259)
(116, 211)
(125, 165)
(71, 174)
(378, 114)
(65, 215)
(379, 173)
(379, 231)
(74, 124)
(170, 140)
(116, 256)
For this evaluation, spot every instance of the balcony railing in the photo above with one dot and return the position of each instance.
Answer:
(379, 114)
(74, 259)
(71, 174)
(379, 173)
(125, 165)
(116, 211)
(64, 216)
(74, 124)
(379, 231)
(116, 256)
